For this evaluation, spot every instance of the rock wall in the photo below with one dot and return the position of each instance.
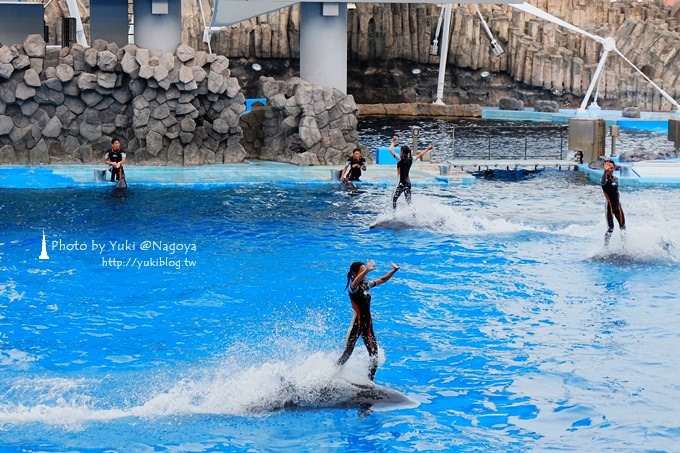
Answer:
(179, 109)
(541, 61)
(540, 57)
(301, 123)
(64, 106)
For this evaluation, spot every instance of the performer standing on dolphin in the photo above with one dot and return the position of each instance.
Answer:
(362, 324)
(610, 187)
(405, 160)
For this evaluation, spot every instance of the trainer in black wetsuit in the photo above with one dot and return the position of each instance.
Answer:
(115, 158)
(610, 187)
(362, 324)
(356, 163)
(404, 163)
(403, 169)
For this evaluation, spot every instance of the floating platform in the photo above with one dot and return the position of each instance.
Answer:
(648, 121)
(643, 173)
(519, 164)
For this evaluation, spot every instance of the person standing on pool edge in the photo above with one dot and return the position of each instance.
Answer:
(362, 324)
(405, 160)
(610, 187)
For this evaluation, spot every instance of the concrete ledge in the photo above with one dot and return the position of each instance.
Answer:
(254, 172)
(421, 109)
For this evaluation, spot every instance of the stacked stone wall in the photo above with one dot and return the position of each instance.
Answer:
(302, 123)
(552, 62)
(180, 109)
(65, 105)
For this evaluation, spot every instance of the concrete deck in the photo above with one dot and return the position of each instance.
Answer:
(256, 172)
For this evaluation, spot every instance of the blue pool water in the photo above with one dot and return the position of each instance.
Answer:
(210, 318)
(509, 325)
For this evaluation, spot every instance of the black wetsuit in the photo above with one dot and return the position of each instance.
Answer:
(610, 187)
(355, 172)
(404, 186)
(113, 156)
(362, 325)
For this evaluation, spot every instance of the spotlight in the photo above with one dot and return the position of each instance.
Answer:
(256, 67)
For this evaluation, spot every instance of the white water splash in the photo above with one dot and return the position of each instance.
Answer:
(222, 388)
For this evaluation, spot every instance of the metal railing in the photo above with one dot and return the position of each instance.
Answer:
(510, 142)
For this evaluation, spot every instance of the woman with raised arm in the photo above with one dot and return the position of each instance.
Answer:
(362, 325)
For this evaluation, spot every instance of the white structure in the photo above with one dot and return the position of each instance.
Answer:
(608, 45)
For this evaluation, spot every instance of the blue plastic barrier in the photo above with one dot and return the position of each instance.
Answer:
(251, 102)
(383, 156)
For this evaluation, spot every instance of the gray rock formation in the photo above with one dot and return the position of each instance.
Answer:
(511, 104)
(631, 112)
(301, 123)
(641, 154)
(541, 61)
(182, 109)
(546, 106)
(170, 113)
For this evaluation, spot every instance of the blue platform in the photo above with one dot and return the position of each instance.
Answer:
(643, 173)
(383, 156)
(648, 121)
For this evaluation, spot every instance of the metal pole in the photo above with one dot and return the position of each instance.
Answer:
(594, 82)
(206, 34)
(415, 132)
(444, 54)
(80, 31)
(489, 138)
(495, 47)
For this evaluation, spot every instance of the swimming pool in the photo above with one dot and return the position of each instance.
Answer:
(509, 325)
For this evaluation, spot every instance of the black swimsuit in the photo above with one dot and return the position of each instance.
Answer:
(113, 156)
(362, 325)
(610, 187)
(355, 172)
(404, 186)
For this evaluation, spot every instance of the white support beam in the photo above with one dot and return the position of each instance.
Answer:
(608, 44)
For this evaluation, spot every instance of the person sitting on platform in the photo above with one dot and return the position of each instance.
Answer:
(353, 167)
(115, 159)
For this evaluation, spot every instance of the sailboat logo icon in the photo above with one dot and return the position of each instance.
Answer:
(43, 252)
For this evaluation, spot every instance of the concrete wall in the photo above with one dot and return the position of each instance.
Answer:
(158, 32)
(109, 21)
